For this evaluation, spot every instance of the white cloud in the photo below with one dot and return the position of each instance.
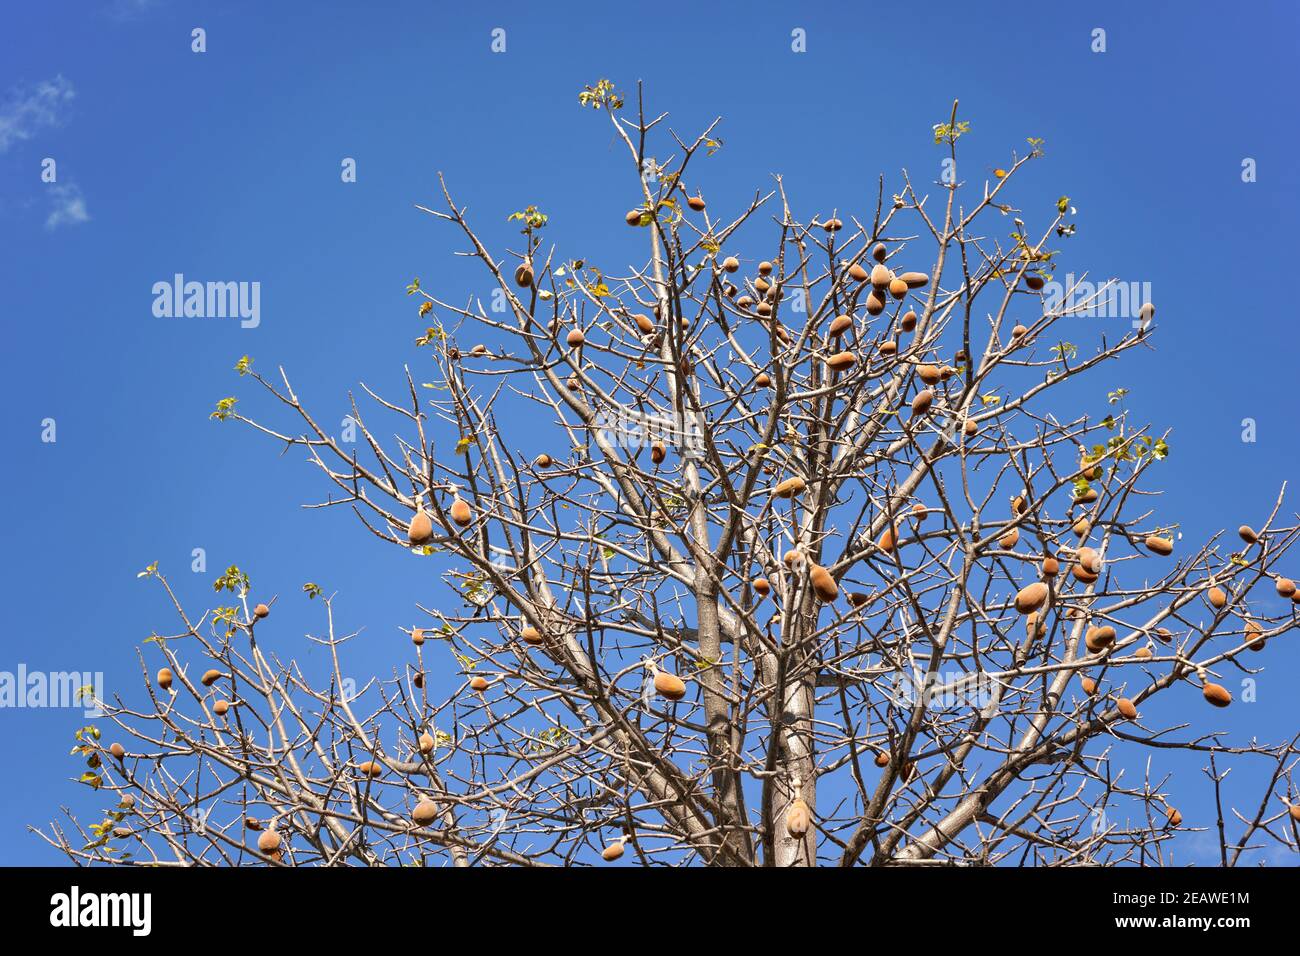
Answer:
(69, 206)
(28, 109)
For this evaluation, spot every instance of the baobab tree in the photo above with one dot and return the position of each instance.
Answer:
(772, 549)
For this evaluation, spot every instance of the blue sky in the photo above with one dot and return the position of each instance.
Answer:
(225, 165)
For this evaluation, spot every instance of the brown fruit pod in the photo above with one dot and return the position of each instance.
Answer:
(696, 203)
(424, 813)
(898, 289)
(1126, 708)
(164, 678)
(1089, 685)
(1031, 597)
(858, 599)
(762, 587)
(915, 280)
(881, 276)
(658, 452)
(542, 461)
(792, 557)
(731, 264)
(1090, 560)
(210, 677)
(1285, 587)
(612, 852)
(882, 759)
(1175, 818)
(268, 841)
(117, 750)
(930, 374)
(426, 744)
(633, 217)
(530, 635)
(1097, 639)
(461, 513)
(908, 322)
(261, 611)
(1216, 694)
(875, 302)
(840, 324)
(1158, 545)
(575, 338)
(221, 707)
(857, 273)
(790, 487)
(1082, 528)
(1010, 539)
(833, 225)
(1217, 597)
(478, 683)
(888, 539)
(888, 348)
(763, 380)
(669, 685)
(645, 325)
(370, 768)
(1247, 534)
(1051, 567)
(841, 361)
(417, 636)
(420, 530)
(1294, 810)
(970, 428)
(1082, 574)
(1253, 635)
(1034, 282)
(823, 583)
(922, 402)
(524, 275)
(879, 252)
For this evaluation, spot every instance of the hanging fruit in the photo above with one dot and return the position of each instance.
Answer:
(425, 812)
(461, 512)
(1031, 597)
(1158, 545)
(668, 685)
(797, 815)
(823, 583)
(1216, 694)
(420, 530)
